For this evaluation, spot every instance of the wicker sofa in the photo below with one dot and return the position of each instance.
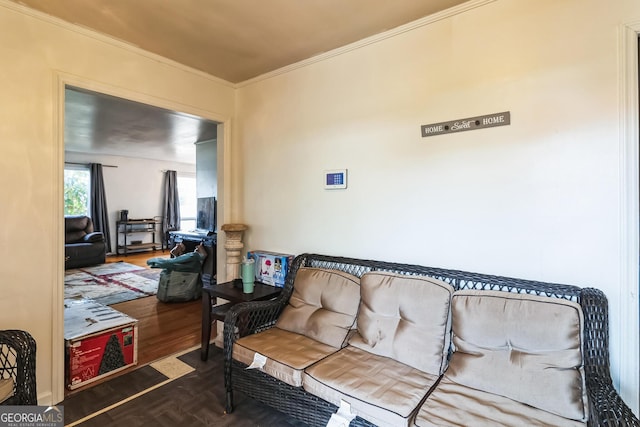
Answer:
(17, 368)
(396, 344)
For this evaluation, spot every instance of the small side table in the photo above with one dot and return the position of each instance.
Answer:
(233, 294)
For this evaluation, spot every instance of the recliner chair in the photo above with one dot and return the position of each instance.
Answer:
(82, 245)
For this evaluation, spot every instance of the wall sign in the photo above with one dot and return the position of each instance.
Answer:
(472, 123)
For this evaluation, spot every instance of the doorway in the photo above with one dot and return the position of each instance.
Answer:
(65, 82)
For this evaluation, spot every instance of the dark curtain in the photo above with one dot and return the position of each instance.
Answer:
(170, 205)
(99, 214)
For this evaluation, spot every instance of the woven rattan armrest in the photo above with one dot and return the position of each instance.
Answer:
(18, 362)
(606, 407)
(245, 319)
(250, 317)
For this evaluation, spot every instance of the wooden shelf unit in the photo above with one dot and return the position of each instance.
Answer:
(133, 226)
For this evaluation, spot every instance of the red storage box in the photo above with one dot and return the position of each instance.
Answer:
(99, 341)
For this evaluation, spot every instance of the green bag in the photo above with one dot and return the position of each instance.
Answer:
(190, 262)
(179, 286)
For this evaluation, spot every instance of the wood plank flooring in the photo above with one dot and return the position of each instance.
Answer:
(163, 328)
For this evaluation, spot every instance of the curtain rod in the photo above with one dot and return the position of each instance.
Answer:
(179, 172)
(87, 164)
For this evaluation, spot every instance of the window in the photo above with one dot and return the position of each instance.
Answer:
(77, 190)
(188, 202)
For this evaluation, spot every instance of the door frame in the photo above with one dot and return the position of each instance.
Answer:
(61, 80)
(629, 327)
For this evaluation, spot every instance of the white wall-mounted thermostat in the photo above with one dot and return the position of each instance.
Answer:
(335, 179)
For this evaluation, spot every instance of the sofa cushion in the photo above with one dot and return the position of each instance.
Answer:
(76, 227)
(452, 404)
(379, 389)
(406, 318)
(287, 353)
(6, 388)
(524, 347)
(323, 305)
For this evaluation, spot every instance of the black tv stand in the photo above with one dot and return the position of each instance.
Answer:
(191, 239)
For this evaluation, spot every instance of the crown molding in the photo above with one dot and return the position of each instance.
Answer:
(427, 20)
(84, 31)
(113, 41)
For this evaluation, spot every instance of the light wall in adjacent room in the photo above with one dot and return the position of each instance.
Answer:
(134, 184)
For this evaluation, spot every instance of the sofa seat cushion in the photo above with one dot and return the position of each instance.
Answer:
(524, 347)
(379, 389)
(323, 305)
(287, 353)
(452, 404)
(406, 318)
(6, 388)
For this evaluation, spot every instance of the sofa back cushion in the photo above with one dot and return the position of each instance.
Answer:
(76, 227)
(406, 318)
(524, 347)
(323, 305)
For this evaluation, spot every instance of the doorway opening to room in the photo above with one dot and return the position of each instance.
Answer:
(136, 148)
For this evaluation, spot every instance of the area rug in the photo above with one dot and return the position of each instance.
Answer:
(111, 283)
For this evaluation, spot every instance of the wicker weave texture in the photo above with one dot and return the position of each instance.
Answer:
(606, 406)
(18, 362)
(286, 398)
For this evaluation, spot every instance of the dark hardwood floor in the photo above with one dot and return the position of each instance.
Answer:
(194, 399)
(163, 328)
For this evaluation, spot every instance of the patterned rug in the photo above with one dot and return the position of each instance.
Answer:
(111, 283)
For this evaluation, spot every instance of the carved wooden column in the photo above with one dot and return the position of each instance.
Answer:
(233, 246)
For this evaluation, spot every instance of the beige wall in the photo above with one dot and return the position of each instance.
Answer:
(37, 55)
(538, 199)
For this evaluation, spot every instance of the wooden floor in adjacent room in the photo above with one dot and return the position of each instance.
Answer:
(163, 328)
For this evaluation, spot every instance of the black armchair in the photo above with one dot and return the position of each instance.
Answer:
(17, 368)
(82, 245)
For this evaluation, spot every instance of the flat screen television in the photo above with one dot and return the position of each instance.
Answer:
(206, 220)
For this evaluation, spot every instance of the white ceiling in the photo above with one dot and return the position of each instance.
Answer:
(103, 124)
(234, 40)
